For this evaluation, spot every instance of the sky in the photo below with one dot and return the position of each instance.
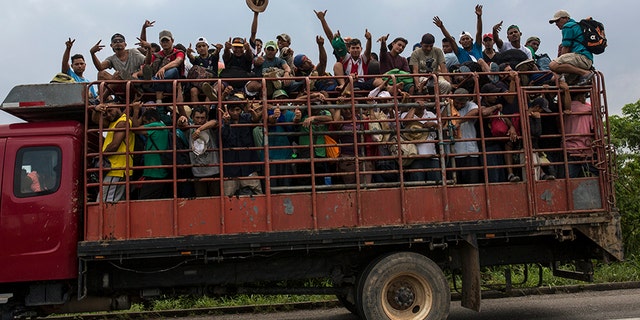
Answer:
(35, 31)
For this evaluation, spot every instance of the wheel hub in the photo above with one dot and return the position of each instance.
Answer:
(401, 295)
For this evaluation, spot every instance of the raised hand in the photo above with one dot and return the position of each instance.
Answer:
(383, 39)
(320, 40)
(367, 34)
(148, 24)
(479, 10)
(497, 27)
(438, 22)
(69, 43)
(143, 43)
(320, 14)
(97, 47)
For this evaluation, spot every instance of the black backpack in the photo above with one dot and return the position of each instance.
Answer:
(594, 38)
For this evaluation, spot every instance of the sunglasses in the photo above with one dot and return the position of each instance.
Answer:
(117, 41)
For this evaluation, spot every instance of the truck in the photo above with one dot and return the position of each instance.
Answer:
(391, 249)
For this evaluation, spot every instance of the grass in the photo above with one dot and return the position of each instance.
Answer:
(628, 270)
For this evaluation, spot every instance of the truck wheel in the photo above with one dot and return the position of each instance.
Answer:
(403, 285)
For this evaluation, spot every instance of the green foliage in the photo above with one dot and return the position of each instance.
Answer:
(494, 278)
(625, 137)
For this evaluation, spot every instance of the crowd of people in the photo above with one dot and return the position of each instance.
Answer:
(220, 106)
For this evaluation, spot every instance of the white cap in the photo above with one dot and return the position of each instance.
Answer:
(202, 39)
(559, 14)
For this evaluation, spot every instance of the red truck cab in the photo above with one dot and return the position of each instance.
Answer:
(39, 200)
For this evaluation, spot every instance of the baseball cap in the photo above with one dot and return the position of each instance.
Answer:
(487, 35)
(542, 103)
(299, 60)
(559, 14)
(237, 42)
(116, 36)
(202, 39)
(284, 37)
(279, 93)
(465, 33)
(166, 34)
(271, 44)
(491, 88)
(534, 38)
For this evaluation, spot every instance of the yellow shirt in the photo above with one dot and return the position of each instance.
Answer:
(119, 160)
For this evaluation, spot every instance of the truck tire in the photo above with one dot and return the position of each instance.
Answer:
(403, 285)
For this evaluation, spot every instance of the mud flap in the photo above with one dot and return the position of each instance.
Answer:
(471, 294)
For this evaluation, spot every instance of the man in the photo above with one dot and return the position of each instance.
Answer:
(238, 61)
(157, 141)
(488, 53)
(77, 68)
(203, 155)
(285, 52)
(204, 66)
(355, 63)
(350, 59)
(426, 144)
(304, 67)
(125, 62)
(464, 150)
(513, 35)
(114, 141)
(468, 49)
(428, 59)
(535, 108)
(391, 58)
(269, 66)
(450, 57)
(578, 126)
(574, 59)
(169, 62)
(235, 141)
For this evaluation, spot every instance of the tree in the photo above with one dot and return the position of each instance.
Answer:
(625, 137)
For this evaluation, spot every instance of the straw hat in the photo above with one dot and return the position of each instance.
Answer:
(415, 132)
(257, 5)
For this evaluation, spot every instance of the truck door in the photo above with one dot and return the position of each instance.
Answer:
(38, 217)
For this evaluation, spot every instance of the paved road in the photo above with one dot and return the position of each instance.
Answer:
(593, 305)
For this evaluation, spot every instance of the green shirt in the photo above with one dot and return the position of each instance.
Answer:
(157, 139)
(319, 130)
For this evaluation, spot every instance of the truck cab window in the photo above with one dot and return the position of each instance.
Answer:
(37, 171)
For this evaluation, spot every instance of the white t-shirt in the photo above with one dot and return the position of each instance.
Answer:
(428, 147)
(468, 131)
(508, 46)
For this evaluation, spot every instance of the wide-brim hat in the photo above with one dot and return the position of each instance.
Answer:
(257, 5)
(415, 132)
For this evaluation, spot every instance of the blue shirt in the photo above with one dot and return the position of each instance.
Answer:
(464, 55)
(78, 78)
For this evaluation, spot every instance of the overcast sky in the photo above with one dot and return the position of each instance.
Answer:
(35, 31)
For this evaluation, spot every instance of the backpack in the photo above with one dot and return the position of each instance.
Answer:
(594, 38)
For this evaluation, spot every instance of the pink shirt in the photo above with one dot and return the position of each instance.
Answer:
(582, 124)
